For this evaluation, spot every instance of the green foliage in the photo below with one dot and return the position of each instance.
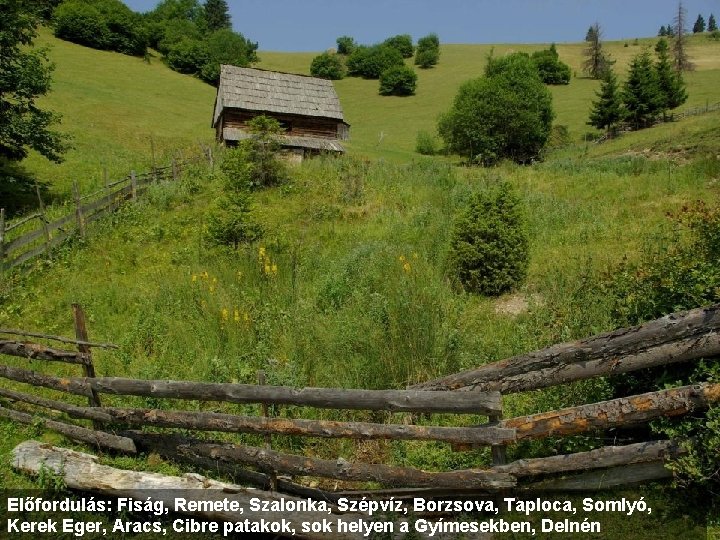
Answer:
(662, 32)
(328, 66)
(550, 68)
(426, 143)
(25, 76)
(371, 62)
(506, 114)
(670, 82)
(17, 188)
(254, 163)
(712, 24)
(641, 92)
(217, 16)
(403, 43)
(188, 55)
(489, 248)
(231, 222)
(346, 45)
(607, 112)
(428, 51)
(101, 24)
(678, 271)
(226, 47)
(398, 81)
(699, 25)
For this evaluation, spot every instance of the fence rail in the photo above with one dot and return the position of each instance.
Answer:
(671, 339)
(17, 249)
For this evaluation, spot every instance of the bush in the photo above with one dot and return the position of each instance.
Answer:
(507, 114)
(188, 56)
(346, 45)
(489, 251)
(230, 223)
(328, 66)
(254, 163)
(370, 62)
(426, 143)
(101, 24)
(398, 81)
(226, 47)
(550, 68)
(403, 43)
(165, 35)
(428, 51)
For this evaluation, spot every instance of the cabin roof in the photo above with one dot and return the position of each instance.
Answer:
(271, 91)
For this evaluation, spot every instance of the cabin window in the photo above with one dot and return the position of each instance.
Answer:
(285, 125)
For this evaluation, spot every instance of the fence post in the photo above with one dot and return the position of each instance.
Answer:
(152, 154)
(82, 335)
(43, 218)
(2, 241)
(499, 452)
(174, 170)
(268, 437)
(78, 210)
(133, 186)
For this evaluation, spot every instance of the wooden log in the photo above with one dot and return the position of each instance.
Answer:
(35, 351)
(77, 433)
(608, 456)
(2, 241)
(133, 186)
(678, 337)
(270, 461)
(614, 413)
(11, 226)
(208, 421)
(14, 332)
(82, 472)
(43, 218)
(69, 384)
(23, 240)
(31, 254)
(626, 475)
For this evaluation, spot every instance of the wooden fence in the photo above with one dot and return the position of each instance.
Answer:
(681, 337)
(19, 245)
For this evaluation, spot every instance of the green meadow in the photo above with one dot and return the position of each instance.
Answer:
(361, 297)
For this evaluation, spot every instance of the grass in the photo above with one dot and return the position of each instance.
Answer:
(343, 310)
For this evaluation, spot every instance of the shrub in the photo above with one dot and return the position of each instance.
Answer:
(489, 251)
(328, 66)
(426, 143)
(254, 163)
(188, 56)
(398, 81)
(226, 47)
(370, 62)
(428, 51)
(346, 45)
(550, 68)
(403, 43)
(508, 113)
(231, 223)
(101, 24)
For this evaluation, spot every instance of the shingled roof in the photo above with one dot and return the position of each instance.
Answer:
(271, 91)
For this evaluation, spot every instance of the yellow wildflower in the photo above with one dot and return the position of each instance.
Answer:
(224, 314)
(267, 268)
(236, 315)
(406, 267)
(401, 258)
(274, 268)
(415, 255)
(205, 275)
(239, 274)
(194, 278)
(261, 252)
(246, 317)
(211, 288)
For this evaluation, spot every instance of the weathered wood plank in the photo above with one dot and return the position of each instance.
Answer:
(76, 433)
(74, 411)
(23, 240)
(678, 337)
(82, 472)
(608, 456)
(35, 351)
(604, 479)
(270, 461)
(20, 259)
(14, 332)
(70, 385)
(617, 412)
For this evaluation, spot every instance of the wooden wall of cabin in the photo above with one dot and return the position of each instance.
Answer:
(298, 126)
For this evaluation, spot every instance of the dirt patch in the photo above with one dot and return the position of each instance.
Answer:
(515, 304)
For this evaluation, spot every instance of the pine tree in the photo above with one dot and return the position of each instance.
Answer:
(641, 93)
(217, 15)
(590, 34)
(699, 25)
(607, 112)
(662, 32)
(596, 61)
(680, 57)
(712, 25)
(670, 31)
(670, 82)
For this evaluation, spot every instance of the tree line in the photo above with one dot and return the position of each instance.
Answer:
(193, 37)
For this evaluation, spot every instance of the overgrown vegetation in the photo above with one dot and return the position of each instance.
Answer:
(398, 81)
(371, 62)
(328, 66)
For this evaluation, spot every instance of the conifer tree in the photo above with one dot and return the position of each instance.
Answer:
(670, 82)
(670, 31)
(680, 57)
(699, 25)
(217, 15)
(712, 25)
(641, 93)
(607, 112)
(662, 32)
(596, 61)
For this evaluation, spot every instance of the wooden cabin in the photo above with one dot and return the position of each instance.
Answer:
(307, 108)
